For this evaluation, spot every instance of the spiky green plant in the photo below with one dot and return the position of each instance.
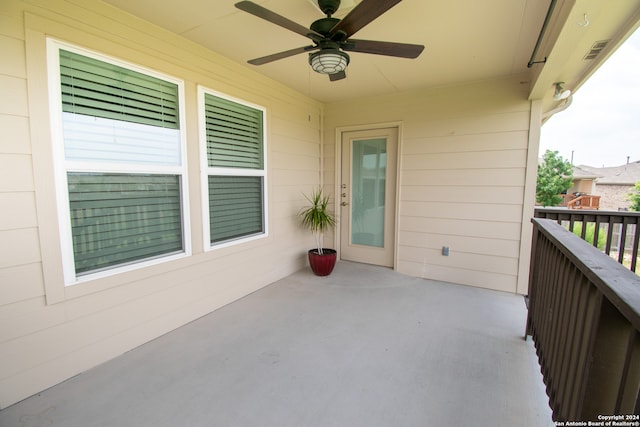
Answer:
(316, 217)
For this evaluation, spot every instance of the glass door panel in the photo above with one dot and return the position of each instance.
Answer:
(369, 168)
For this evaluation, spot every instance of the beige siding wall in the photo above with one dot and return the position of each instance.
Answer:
(462, 178)
(49, 333)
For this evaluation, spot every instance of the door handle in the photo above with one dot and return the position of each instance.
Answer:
(344, 203)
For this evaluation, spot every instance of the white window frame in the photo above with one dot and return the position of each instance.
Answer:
(62, 166)
(206, 171)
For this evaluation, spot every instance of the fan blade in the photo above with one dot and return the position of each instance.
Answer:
(281, 55)
(402, 50)
(365, 12)
(337, 76)
(274, 18)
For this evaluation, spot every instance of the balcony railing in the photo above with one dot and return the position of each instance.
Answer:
(615, 233)
(580, 201)
(585, 202)
(584, 317)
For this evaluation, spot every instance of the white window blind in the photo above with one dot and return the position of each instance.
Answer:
(94, 139)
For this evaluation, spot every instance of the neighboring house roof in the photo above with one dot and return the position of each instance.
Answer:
(627, 174)
(581, 172)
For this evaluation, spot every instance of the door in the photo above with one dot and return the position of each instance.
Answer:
(368, 196)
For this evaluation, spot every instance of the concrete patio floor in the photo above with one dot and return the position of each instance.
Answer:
(363, 347)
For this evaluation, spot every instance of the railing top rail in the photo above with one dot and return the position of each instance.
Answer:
(589, 215)
(615, 282)
(540, 211)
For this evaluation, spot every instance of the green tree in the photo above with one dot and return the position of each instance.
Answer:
(634, 196)
(555, 175)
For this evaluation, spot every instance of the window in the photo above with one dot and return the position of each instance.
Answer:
(121, 175)
(234, 152)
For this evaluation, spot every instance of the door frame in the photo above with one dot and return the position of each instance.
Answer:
(338, 180)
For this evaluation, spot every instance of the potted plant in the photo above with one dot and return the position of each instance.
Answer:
(316, 218)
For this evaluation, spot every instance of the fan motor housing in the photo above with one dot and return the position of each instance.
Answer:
(324, 25)
(328, 7)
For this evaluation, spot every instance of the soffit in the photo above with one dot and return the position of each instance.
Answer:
(465, 41)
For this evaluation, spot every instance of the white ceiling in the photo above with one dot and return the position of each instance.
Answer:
(465, 40)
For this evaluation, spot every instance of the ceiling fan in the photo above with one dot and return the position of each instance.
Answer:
(331, 36)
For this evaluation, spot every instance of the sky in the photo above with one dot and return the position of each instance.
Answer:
(601, 127)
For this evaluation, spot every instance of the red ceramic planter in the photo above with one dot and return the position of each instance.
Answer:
(322, 265)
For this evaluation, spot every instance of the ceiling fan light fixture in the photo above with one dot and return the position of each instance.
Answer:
(329, 61)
